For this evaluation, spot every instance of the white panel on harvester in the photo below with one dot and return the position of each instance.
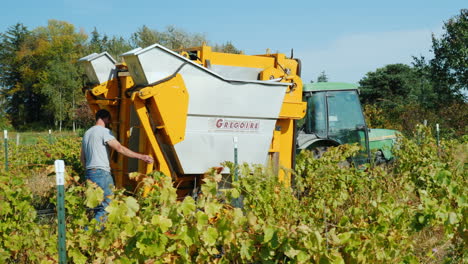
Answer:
(219, 108)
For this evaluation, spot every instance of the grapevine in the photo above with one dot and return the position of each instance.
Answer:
(412, 211)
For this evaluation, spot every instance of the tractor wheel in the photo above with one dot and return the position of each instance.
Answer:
(380, 158)
(319, 151)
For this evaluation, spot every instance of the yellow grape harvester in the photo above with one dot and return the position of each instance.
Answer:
(184, 108)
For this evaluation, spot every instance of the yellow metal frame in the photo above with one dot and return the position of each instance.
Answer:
(162, 111)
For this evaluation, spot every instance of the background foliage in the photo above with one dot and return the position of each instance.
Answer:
(401, 96)
(41, 81)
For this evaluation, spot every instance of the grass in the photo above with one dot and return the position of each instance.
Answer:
(31, 138)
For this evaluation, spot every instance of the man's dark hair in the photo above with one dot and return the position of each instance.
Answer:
(102, 113)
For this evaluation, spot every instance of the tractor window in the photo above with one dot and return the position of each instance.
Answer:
(345, 116)
(316, 120)
(344, 110)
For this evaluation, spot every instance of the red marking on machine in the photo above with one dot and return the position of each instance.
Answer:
(237, 125)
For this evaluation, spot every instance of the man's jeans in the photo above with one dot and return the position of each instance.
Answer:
(104, 180)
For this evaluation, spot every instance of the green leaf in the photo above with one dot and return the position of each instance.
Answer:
(239, 218)
(132, 206)
(452, 218)
(210, 236)
(212, 208)
(235, 193)
(344, 237)
(462, 201)
(77, 256)
(443, 177)
(302, 257)
(186, 236)
(209, 188)
(268, 234)
(318, 238)
(155, 248)
(117, 210)
(246, 250)
(344, 220)
(187, 207)
(202, 219)
(336, 258)
(94, 195)
(421, 219)
(162, 221)
(252, 219)
(291, 252)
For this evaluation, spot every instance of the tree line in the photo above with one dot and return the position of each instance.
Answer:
(400, 96)
(40, 80)
(432, 91)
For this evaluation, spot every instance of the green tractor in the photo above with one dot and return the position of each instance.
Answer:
(334, 117)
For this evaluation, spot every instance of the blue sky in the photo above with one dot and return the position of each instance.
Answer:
(346, 39)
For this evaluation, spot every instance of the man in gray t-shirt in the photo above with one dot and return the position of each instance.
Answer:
(95, 158)
(95, 149)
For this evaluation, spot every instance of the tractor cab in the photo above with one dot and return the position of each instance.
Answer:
(334, 117)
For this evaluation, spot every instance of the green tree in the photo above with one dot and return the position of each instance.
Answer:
(114, 45)
(228, 47)
(424, 90)
(4, 121)
(145, 37)
(39, 76)
(11, 42)
(22, 101)
(58, 48)
(449, 67)
(401, 96)
(322, 77)
(172, 38)
(432, 84)
(96, 42)
(393, 93)
(391, 85)
(175, 38)
(428, 90)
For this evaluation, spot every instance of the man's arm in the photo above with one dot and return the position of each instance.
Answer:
(114, 144)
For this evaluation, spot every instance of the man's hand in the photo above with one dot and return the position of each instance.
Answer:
(147, 159)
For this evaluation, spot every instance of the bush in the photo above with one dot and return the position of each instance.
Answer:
(452, 118)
